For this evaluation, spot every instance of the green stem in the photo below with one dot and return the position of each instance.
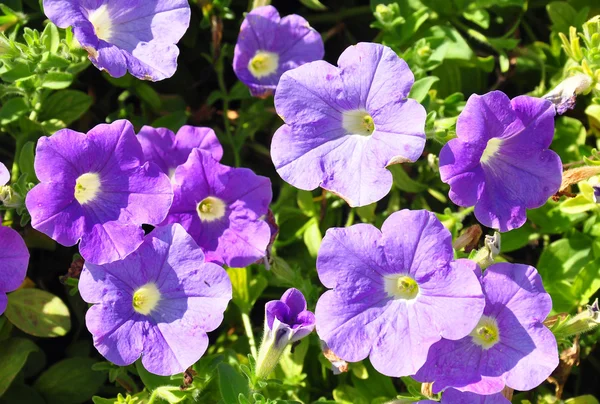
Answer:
(250, 334)
(226, 123)
(339, 15)
(259, 3)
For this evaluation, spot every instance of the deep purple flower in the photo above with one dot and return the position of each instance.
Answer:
(452, 396)
(121, 35)
(395, 292)
(346, 124)
(222, 209)
(269, 45)
(500, 161)
(510, 346)
(159, 303)
(4, 175)
(14, 258)
(287, 319)
(168, 151)
(94, 188)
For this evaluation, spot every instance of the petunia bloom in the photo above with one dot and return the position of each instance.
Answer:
(500, 162)
(344, 125)
(138, 36)
(96, 188)
(222, 208)
(14, 258)
(269, 45)
(286, 321)
(395, 292)
(168, 151)
(564, 95)
(452, 396)
(158, 303)
(510, 345)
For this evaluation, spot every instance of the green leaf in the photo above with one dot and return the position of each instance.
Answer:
(12, 110)
(26, 159)
(152, 381)
(173, 121)
(479, 16)
(518, 238)
(39, 313)
(231, 384)
(70, 381)
(50, 37)
(21, 393)
(421, 88)
(147, 94)
(403, 182)
(245, 290)
(66, 106)
(367, 213)
(313, 237)
(57, 80)
(13, 355)
(569, 139)
(562, 15)
(314, 5)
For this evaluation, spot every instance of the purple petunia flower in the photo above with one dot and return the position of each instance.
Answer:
(94, 188)
(269, 45)
(4, 175)
(121, 35)
(500, 161)
(452, 396)
(510, 346)
(221, 207)
(346, 124)
(395, 292)
(14, 258)
(287, 319)
(168, 151)
(159, 303)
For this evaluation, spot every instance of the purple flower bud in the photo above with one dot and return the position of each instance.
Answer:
(286, 321)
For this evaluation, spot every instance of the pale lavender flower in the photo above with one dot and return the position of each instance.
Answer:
(500, 161)
(395, 292)
(269, 45)
(157, 303)
(96, 188)
(138, 36)
(510, 345)
(344, 125)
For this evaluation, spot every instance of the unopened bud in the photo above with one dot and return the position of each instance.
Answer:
(486, 256)
(583, 322)
(565, 94)
(10, 198)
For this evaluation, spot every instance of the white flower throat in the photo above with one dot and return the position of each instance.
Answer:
(263, 64)
(102, 22)
(358, 122)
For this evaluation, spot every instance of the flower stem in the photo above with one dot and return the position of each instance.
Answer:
(226, 123)
(250, 334)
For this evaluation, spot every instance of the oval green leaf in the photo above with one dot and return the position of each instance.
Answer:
(39, 313)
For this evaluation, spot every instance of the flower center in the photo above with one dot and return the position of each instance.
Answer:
(100, 19)
(492, 147)
(146, 298)
(263, 64)
(211, 209)
(358, 122)
(486, 334)
(402, 287)
(87, 187)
